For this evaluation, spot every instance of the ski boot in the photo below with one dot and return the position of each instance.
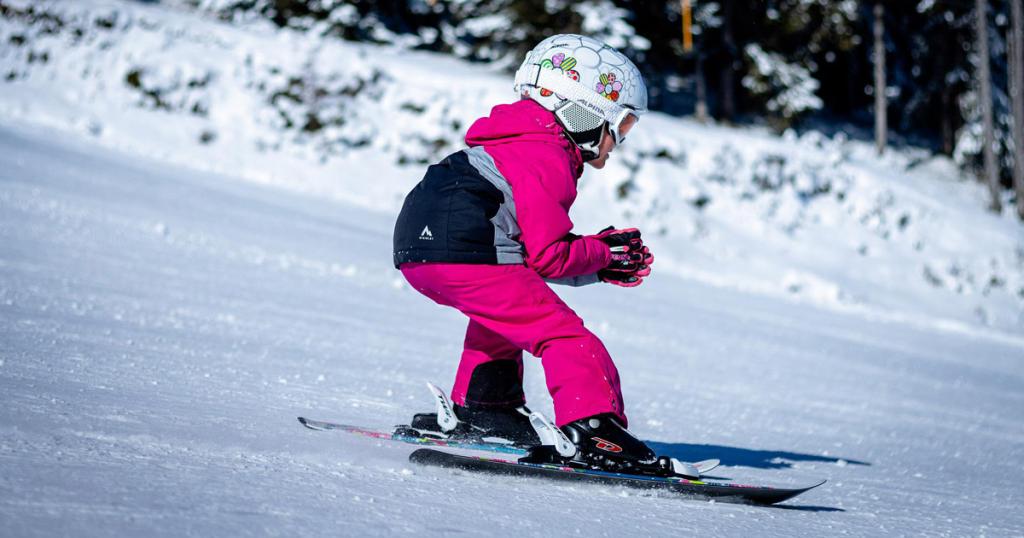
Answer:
(509, 425)
(601, 443)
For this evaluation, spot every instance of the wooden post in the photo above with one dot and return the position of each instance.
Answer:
(687, 25)
(985, 84)
(701, 109)
(881, 105)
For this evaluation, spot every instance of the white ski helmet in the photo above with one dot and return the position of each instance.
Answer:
(586, 84)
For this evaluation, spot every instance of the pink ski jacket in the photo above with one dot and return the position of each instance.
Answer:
(505, 200)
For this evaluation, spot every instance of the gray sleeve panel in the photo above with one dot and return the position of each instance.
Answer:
(575, 281)
(506, 227)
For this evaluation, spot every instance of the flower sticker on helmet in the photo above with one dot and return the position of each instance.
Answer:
(609, 87)
(565, 65)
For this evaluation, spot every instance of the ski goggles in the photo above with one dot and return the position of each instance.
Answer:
(615, 125)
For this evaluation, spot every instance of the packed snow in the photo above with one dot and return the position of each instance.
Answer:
(187, 264)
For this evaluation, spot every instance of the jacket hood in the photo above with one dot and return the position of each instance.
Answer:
(523, 121)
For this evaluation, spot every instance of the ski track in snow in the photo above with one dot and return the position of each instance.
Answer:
(162, 328)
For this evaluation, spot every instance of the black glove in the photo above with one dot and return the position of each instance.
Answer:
(631, 260)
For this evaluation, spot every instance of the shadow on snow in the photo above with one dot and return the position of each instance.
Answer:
(742, 457)
(803, 508)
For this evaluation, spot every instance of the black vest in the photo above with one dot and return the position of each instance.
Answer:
(447, 216)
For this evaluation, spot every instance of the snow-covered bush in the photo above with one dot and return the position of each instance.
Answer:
(324, 108)
(604, 21)
(171, 87)
(967, 151)
(787, 89)
(796, 214)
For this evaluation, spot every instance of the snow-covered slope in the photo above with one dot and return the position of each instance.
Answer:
(815, 312)
(816, 220)
(162, 327)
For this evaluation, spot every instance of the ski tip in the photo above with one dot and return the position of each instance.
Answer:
(802, 489)
(785, 494)
(305, 422)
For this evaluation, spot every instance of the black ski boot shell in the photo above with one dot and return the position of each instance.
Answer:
(602, 443)
(512, 423)
(509, 423)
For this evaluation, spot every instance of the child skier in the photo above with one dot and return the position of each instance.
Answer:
(488, 225)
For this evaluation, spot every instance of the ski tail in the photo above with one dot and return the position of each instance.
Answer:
(403, 434)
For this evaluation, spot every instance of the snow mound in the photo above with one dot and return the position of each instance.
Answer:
(819, 220)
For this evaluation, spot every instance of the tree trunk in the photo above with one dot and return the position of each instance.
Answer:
(702, 92)
(985, 84)
(1017, 99)
(947, 120)
(729, 67)
(881, 127)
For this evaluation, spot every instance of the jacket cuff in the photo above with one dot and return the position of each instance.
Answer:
(603, 250)
(575, 281)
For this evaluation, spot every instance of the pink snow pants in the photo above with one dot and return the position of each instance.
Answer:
(512, 309)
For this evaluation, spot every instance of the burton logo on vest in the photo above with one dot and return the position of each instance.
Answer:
(426, 235)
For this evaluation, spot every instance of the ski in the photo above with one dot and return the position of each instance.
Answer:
(719, 491)
(411, 436)
(405, 434)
